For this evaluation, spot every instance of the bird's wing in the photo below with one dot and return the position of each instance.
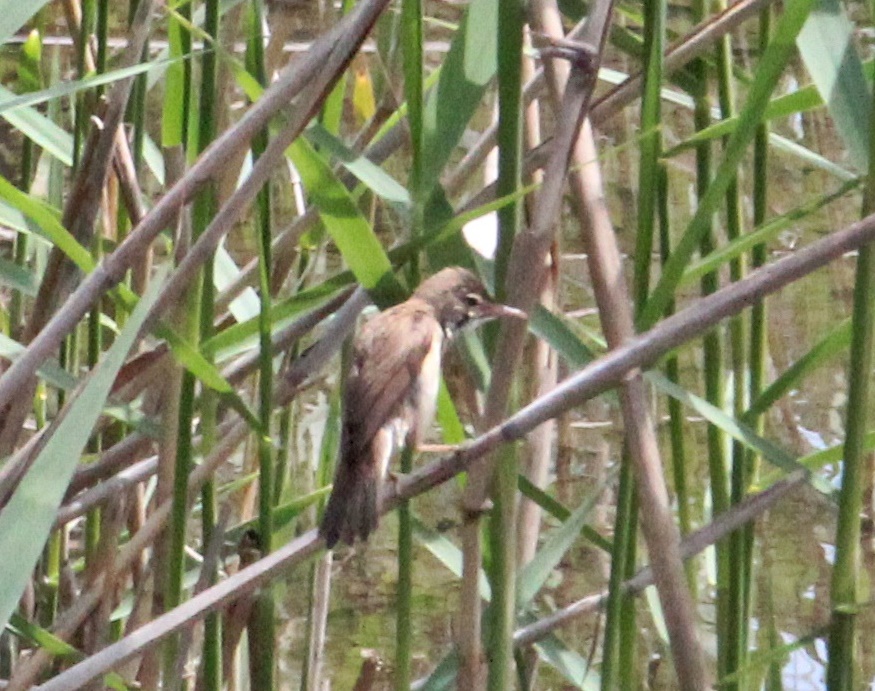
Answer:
(386, 361)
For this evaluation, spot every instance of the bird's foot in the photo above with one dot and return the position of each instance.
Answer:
(474, 512)
(395, 478)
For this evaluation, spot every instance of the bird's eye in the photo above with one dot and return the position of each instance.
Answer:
(472, 299)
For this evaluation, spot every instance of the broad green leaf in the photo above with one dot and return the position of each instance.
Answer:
(448, 417)
(48, 221)
(154, 158)
(225, 271)
(27, 519)
(553, 329)
(349, 230)
(29, 75)
(18, 277)
(175, 91)
(468, 69)
(827, 46)
(15, 15)
(371, 175)
(11, 217)
(655, 607)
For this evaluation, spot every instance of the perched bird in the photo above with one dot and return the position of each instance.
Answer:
(391, 391)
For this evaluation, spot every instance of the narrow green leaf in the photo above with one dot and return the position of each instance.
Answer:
(412, 54)
(443, 677)
(765, 233)
(533, 575)
(11, 102)
(42, 131)
(833, 344)
(56, 647)
(789, 105)
(51, 372)
(548, 504)
(447, 554)
(243, 336)
(568, 663)
(569, 347)
(737, 430)
(769, 70)
(26, 520)
(283, 514)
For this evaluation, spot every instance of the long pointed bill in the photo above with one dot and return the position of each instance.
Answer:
(495, 310)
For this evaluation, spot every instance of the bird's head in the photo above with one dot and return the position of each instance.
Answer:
(460, 299)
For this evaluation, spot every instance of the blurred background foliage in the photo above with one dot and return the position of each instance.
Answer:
(189, 193)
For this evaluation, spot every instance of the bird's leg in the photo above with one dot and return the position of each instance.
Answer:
(407, 452)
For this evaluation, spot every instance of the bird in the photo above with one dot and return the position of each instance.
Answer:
(390, 393)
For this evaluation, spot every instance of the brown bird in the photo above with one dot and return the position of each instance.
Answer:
(391, 391)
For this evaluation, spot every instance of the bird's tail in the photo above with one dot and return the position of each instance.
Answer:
(352, 509)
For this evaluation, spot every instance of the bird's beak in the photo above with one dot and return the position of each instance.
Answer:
(495, 311)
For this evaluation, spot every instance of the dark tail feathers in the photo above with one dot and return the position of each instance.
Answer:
(352, 507)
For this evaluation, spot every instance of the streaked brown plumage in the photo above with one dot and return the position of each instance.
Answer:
(391, 390)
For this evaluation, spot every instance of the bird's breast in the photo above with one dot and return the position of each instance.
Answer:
(427, 385)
